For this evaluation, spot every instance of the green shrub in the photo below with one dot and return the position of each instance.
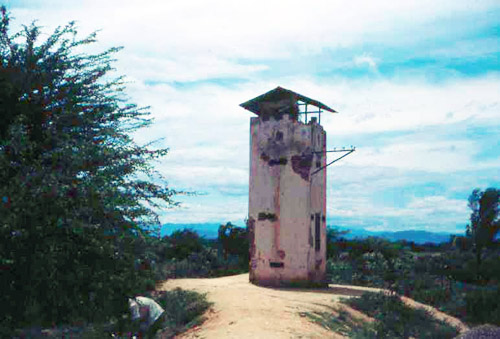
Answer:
(482, 306)
(490, 268)
(396, 320)
(432, 296)
(202, 264)
(339, 272)
(182, 243)
(183, 309)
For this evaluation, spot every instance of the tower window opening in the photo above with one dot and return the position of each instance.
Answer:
(317, 223)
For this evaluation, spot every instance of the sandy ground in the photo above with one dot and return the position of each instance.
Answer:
(243, 310)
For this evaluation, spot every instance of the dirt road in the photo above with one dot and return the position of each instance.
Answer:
(243, 310)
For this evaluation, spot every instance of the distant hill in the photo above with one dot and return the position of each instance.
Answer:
(209, 231)
(418, 237)
(206, 230)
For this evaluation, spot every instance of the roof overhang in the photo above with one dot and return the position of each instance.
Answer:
(280, 93)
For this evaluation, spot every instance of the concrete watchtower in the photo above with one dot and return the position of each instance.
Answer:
(287, 192)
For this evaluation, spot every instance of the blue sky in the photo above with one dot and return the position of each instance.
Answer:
(417, 85)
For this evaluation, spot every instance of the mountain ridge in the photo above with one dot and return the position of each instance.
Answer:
(209, 231)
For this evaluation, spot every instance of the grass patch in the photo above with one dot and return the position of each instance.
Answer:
(393, 319)
(396, 320)
(343, 323)
(184, 309)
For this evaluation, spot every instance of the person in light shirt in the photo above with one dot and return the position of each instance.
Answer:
(147, 314)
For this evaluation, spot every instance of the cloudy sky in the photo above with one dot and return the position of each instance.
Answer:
(416, 85)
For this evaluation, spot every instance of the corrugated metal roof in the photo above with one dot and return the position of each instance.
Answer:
(280, 93)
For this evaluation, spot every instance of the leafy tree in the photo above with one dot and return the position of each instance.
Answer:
(484, 221)
(234, 241)
(182, 243)
(333, 235)
(72, 201)
(460, 242)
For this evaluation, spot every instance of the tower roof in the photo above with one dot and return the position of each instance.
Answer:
(280, 93)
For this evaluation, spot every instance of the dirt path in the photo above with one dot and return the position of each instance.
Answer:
(243, 310)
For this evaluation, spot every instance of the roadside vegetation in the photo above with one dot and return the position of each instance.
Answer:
(184, 310)
(460, 277)
(184, 254)
(392, 319)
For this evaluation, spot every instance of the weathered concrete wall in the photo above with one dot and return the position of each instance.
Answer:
(286, 202)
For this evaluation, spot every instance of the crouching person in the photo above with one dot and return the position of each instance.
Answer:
(147, 316)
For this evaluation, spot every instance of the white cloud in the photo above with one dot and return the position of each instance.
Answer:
(387, 105)
(191, 40)
(207, 209)
(442, 156)
(432, 204)
(167, 42)
(366, 59)
(184, 69)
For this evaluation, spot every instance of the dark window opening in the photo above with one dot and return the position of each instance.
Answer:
(317, 223)
(276, 264)
(279, 135)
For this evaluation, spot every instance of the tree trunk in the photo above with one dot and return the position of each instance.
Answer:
(478, 260)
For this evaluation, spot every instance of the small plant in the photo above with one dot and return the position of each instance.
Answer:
(482, 306)
(183, 309)
(342, 323)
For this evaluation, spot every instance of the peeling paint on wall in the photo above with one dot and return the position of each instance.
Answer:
(301, 165)
(251, 236)
(280, 161)
(267, 216)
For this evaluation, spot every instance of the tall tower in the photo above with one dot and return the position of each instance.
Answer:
(287, 191)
